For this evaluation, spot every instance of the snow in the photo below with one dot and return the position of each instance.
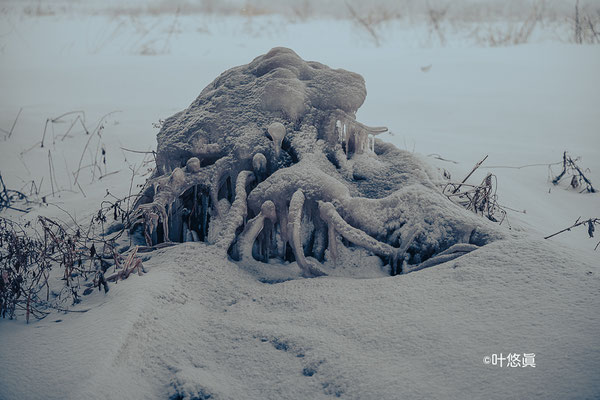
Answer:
(210, 327)
(200, 325)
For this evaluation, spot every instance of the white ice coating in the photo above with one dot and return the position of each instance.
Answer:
(277, 132)
(326, 181)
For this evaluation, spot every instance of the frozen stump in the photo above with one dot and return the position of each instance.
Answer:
(269, 163)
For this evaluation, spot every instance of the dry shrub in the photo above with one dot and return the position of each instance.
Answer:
(574, 173)
(481, 199)
(29, 253)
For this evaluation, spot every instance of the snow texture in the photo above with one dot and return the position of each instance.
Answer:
(197, 325)
(200, 326)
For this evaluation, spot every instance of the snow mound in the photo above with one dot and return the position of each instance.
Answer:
(198, 326)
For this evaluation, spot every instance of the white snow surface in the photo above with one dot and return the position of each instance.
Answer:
(203, 327)
(208, 327)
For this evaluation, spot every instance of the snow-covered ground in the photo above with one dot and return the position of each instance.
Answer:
(208, 327)
(199, 325)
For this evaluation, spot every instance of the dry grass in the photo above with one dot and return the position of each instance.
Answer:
(482, 199)
(83, 255)
(489, 23)
(586, 24)
(574, 173)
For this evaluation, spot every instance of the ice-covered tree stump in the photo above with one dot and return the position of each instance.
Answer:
(270, 162)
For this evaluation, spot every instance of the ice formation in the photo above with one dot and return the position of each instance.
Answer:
(269, 162)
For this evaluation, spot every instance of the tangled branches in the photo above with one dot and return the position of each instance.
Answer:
(9, 196)
(29, 253)
(481, 199)
(25, 270)
(48, 262)
(578, 179)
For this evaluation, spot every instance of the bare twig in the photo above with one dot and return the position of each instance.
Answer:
(80, 189)
(456, 189)
(109, 174)
(79, 168)
(56, 119)
(439, 157)
(96, 131)
(51, 172)
(14, 123)
(481, 199)
(523, 166)
(44, 134)
(591, 223)
(138, 151)
(78, 118)
(570, 168)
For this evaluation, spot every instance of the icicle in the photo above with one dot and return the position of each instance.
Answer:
(204, 217)
(320, 240)
(277, 132)
(283, 227)
(187, 234)
(259, 165)
(332, 238)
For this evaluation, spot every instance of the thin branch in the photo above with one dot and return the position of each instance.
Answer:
(51, 172)
(96, 130)
(78, 118)
(56, 119)
(439, 157)
(44, 134)
(109, 174)
(523, 166)
(589, 222)
(15, 123)
(456, 189)
(138, 151)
